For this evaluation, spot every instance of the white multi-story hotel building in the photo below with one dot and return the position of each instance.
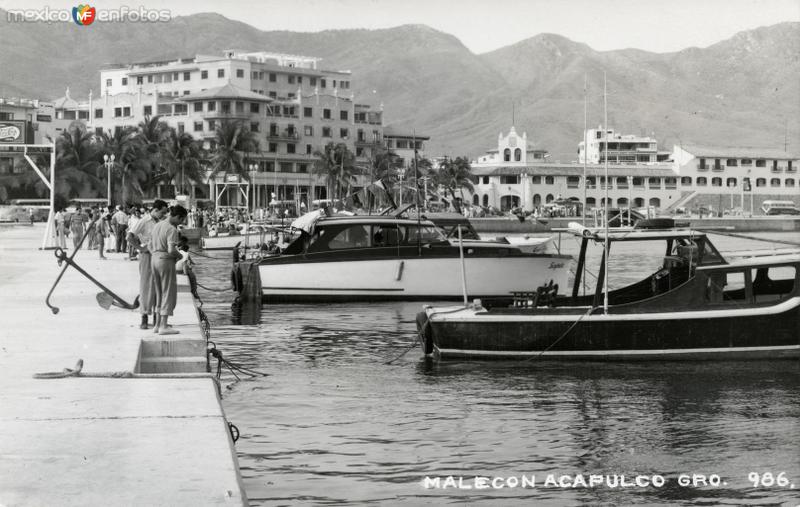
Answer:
(621, 149)
(712, 178)
(293, 106)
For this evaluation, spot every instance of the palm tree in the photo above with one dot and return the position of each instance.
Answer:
(383, 166)
(233, 141)
(77, 162)
(132, 167)
(183, 162)
(152, 133)
(455, 174)
(336, 164)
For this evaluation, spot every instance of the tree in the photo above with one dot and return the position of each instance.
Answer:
(183, 161)
(455, 175)
(233, 141)
(336, 164)
(383, 166)
(152, 133)
(132, 166)
(77, 160)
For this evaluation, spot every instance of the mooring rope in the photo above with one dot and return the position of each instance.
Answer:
(78, 372)
(565, 333)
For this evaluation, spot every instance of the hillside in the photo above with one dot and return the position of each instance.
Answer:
(742, 91)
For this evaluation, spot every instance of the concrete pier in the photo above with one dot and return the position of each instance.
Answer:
(103, 440)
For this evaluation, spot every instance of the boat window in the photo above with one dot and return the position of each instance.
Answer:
(352, 236)
(422, 234)
(773, 283)
(710, 254)
(385, 235)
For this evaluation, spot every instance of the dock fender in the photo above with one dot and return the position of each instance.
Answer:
(236, 278)
(425, 332)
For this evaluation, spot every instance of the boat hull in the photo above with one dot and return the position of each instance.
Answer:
(752, 333)
(412, 278)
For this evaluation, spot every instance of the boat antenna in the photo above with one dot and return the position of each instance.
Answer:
(416, 179)
(585, 150)
(605, 206)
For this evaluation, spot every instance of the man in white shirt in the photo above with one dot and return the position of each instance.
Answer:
(140, 237)
(119, 222)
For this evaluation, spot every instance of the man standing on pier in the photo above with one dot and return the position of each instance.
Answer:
(164, 250)
(140, 237)
(119, 222)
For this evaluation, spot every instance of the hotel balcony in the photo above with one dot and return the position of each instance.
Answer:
(283, 135)
(365, 142)
(227, 115)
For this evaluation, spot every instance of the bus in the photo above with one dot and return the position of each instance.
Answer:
(31, 203)
(770, 207)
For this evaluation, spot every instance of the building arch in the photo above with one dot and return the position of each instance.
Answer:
(638, 202)
(730, 182)
(686, 181)
(655, 202)
(591, 202)
(537, 200)
(475, 199)
(549, 198)
(775, 182)
(622, 201)
(507, 155)
(508, 202)
(486, 200)
(517, 155)
(789, 182)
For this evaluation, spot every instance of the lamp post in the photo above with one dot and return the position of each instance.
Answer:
(401, 172)
(253, 168)
(109, 163)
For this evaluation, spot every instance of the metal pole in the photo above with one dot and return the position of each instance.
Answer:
(463, 268)
(605, 209)
(108, 172)
(585, 148)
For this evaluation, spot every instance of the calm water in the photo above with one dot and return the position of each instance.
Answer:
(335, 424)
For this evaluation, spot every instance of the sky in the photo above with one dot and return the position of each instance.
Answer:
(484, 25)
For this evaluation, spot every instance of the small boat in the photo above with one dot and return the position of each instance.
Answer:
(251, 235)
(388, 257)
(697, 305)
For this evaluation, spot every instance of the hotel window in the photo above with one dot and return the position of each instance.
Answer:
(686, 181)
(789, 167)
(549, 180)
(761, 182)
(255, 108)
(286, 167)
(273, 147)
(150, 78)
(702, 164)
(509, 180)
(775, 182)
(322, 83)
(326, 114)
(185, 92)
(299, 79)
(622, 182)
(788, 182)
(203, 74)
(181, 109)
(312, 81)
(83, 115)
(198, 126)
(573, 181)
(308, 130)
(225, 106)
(308, 149)
(124, 81)
(212, 125)
(148, 110)
(702, 181)
(126, 111)
(290, 79)
(254, 126)
(108, 82)
(717, 165)
(326, 132)
(344, 133)
(638, 182)
(253, 75)
(343, 115)
(302, 168)
(211, 106)
(98, 113)
(670, 183)
(507, 155)
(117, 112)
(239, 72)
(485, 180)
(176, 76)
(269, 167)
(220, 72)
(716, 182)
(761, 163)
(747, 161)
(273, 77)
(517, 155)
(291, 148)
(180, 128)
(139, 79)
(731, 162)
(334, 84)
(730, 182)
(537, 180)
(186, 76)
(198, 107)
(239, 107)
(654, 182)
(273, 95)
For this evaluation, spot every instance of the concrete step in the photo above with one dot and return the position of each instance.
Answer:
(172, 365)
(173, 346)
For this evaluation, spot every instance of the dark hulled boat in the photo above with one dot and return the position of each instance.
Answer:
(698, 305)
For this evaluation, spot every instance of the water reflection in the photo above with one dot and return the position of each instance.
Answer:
(333, 423)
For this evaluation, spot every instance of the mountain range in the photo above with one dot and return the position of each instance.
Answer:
(743, 91)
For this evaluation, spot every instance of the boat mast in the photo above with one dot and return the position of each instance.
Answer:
(585, 151)
(416, 181)
(605, 207)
